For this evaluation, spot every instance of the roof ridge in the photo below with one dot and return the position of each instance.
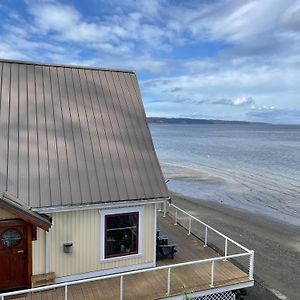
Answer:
(63, 65)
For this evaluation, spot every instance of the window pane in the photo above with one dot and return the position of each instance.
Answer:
(121, 234)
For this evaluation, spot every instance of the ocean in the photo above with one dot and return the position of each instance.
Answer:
(254, 167)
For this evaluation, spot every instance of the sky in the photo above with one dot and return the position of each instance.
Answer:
(229, 59)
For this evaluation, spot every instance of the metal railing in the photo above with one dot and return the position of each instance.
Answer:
(206, 226)
(211, 237)
(248, 254)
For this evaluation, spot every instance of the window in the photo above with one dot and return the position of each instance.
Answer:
(11, 237)
(121, 234)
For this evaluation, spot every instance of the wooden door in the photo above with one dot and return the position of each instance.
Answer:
(15, 254)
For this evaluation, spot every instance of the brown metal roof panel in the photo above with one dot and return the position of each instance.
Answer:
(121, 137)
(150, 169)
(64, 176)
(78, 136)
(78, 161)
(13, 132)
(133, 127)
(3, 125)
(70, 149)
(118, 177)
(23, 135)
(55, 190)
(105, 134)
(141, 115)
(98, 137)
(4, 114)
(93, 149)
(135, 144)
(34, 176)
(128, 137)
(93, 186)
(42, 139)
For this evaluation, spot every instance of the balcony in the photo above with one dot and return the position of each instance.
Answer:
(206, 262)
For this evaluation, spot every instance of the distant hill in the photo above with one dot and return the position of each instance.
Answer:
(158, 120)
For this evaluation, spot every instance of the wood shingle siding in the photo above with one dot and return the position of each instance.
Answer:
(73, 135)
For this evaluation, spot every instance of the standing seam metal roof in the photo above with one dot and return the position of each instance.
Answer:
(74, 135)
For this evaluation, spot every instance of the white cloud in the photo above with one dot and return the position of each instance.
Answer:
(242, 101)
(255, 48)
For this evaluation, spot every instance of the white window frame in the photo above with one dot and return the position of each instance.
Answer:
(121, 210)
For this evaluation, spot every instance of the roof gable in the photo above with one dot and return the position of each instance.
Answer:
(71, 135)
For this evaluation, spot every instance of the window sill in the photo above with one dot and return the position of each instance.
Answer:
(124, 257)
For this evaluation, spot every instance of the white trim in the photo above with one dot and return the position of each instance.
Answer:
(226, 288)
(104, 272)
(116, 204)
(155, 230)
(105, 212)
(46, 252)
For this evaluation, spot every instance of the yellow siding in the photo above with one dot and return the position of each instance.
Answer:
(38, 253)
(83, 229)
(6, 215)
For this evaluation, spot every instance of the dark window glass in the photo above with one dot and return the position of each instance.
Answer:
(121, 234)
(11, 237)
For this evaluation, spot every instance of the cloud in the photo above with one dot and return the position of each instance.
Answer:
(183, 56)
(242, 101)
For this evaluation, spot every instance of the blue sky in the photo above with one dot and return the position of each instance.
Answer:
(233, 60)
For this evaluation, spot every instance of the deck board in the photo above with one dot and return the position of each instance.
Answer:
(153, 285)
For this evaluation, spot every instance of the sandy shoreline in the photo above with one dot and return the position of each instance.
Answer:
(276, 244)
(239, 189)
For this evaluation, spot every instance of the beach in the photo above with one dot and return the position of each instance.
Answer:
(249, 167)
(245, 182)
(276, 245)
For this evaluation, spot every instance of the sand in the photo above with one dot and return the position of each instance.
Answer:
(247, 190)
(276, 245)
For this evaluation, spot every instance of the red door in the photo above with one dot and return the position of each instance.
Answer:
(14, 254)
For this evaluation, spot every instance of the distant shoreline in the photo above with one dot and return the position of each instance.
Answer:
(188, 121)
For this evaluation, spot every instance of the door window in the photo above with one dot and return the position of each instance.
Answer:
(11, 237)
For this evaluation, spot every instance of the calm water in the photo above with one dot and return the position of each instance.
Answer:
(255, 167)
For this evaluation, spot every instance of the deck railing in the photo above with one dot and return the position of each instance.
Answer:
(211, 237)
(247, 254)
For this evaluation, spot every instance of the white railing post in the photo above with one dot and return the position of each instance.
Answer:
(121, 287)
(169, 281)
(206, 237)
(160, 207)
(66, 292)
(2, 297)
(176, 216)
(165, 209)
(251, 267)
(212, 273)
(226, 249)
(190, 225)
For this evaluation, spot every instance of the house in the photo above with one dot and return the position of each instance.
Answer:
(80, 182)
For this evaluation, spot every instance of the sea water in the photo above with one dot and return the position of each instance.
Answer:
(253, 167)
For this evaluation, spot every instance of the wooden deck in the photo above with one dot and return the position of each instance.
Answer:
(153, 285)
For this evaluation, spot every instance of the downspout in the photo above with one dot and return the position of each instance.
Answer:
(46, 252)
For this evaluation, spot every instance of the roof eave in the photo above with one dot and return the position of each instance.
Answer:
(9, 204)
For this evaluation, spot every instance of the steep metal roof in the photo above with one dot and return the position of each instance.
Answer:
(74, 135)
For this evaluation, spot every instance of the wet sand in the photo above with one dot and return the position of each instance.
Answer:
(276, 245)
(247, 190)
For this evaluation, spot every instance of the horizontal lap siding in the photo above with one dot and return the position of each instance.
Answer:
(83, 229)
